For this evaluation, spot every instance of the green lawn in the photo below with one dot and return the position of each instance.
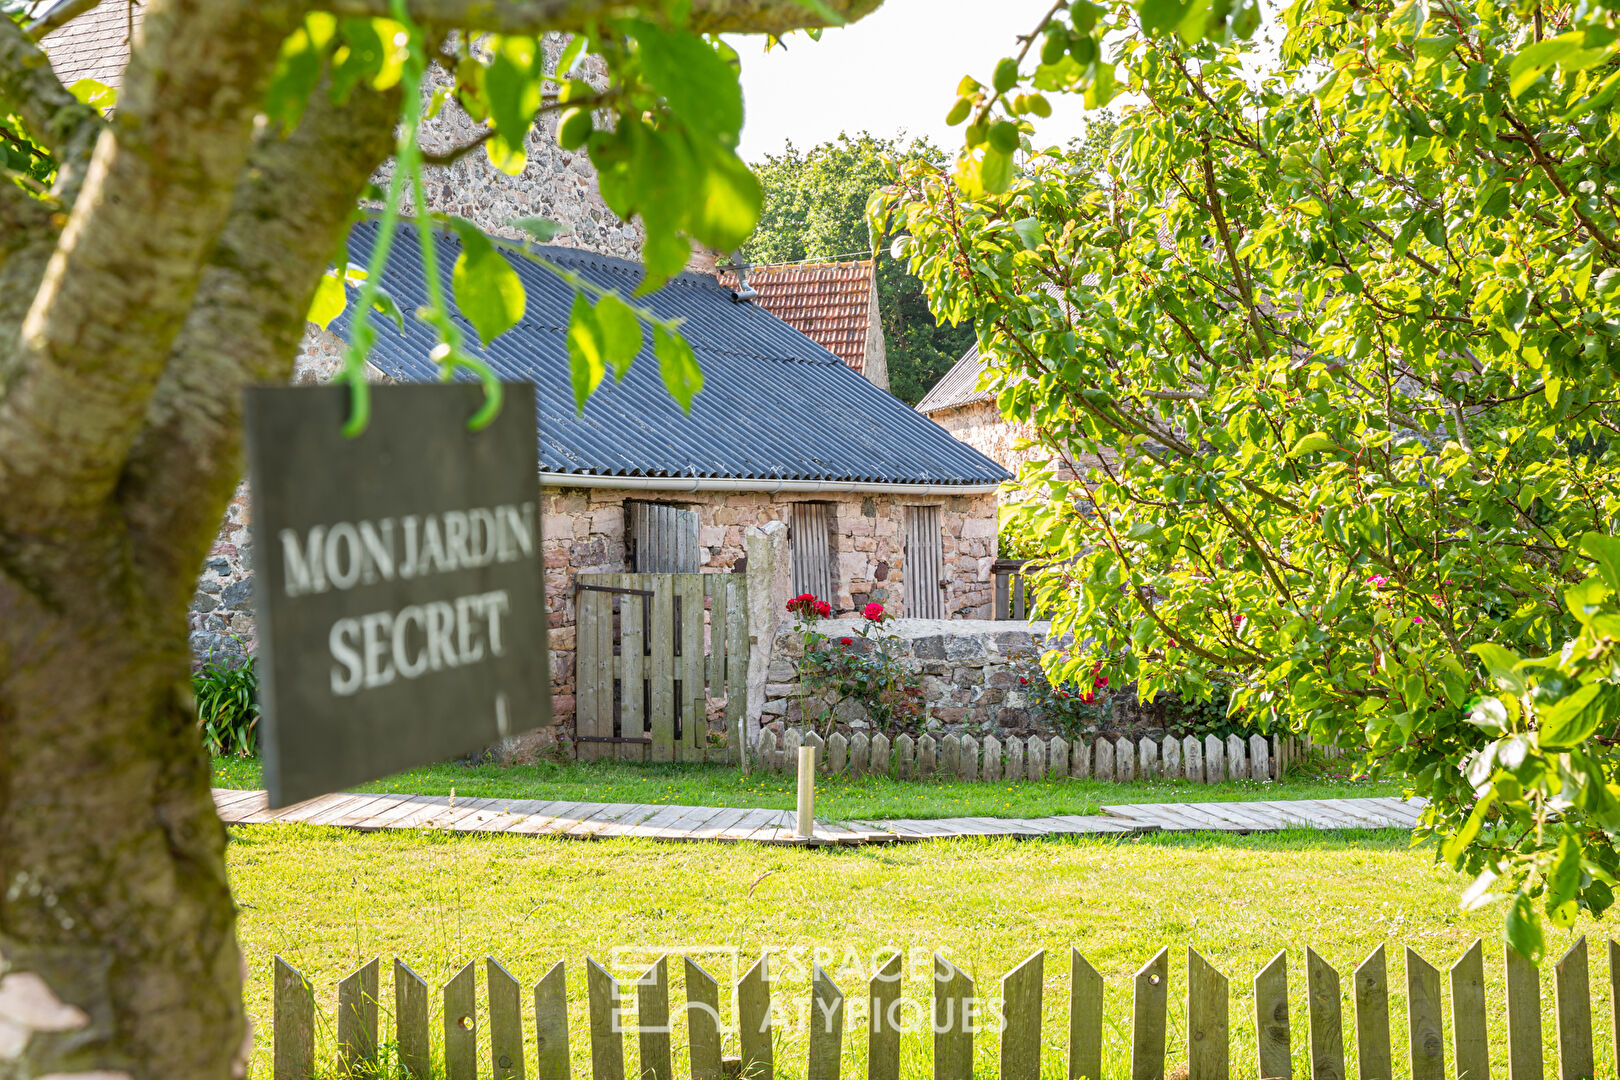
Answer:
(328, 899)
(841, 799)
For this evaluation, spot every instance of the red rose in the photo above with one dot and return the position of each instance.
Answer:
(823, 608)
(1024, 679)
(846, 641)
(1102, 680)
(873, 612)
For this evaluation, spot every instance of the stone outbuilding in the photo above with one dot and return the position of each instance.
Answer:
(881, 504)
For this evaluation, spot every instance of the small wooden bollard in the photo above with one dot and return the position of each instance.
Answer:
(807, 791)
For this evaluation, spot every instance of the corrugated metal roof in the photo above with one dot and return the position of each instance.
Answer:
(94, 45)
(830, 302)
(958, 386)
(774, 405)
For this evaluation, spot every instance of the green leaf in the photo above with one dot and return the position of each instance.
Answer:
(330, 300)
(678, 366)
(621, 333)
(1565, 876)
(729, 202)
(1029, 232)
(995, 171)
(1452, 849)
(1006, 76)
(487, 289)
(1499, 662)
(542, 229)
(1316, 440)
(1606, 551)
(1572, 719)
(384, 303)
(512, 92)
(585, 351)
(96, 93)
(1534, 59)
(1523, 929)
(700, 87)
(1159, 16)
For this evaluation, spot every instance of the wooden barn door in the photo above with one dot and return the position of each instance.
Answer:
(810, 540)
(664, 539)
(924, 575)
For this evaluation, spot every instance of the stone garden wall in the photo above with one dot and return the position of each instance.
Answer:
(968, 671)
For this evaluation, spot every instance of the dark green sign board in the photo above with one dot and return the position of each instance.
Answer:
(400, 588)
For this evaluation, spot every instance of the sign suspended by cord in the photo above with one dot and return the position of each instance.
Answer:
(400, 590)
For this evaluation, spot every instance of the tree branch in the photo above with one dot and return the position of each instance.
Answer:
(64, 125)
(120, 283)
(535, 16)
(292, 206)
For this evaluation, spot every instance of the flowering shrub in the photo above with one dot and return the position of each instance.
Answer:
(1073, 709)
(871, 672)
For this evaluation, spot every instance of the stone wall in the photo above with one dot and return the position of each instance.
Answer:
(1006, 442)
(969, 673)
(583, 532)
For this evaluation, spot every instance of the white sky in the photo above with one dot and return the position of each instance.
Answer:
(895, 69)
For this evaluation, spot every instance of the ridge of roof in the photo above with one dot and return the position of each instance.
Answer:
(775, 405)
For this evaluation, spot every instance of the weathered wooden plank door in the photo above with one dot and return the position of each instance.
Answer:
(924, 573)
(810, 543)
(654, 650)
(663, 538)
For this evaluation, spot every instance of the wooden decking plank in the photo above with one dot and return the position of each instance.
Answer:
(539, 820)
(682, 826)
(607, 820)
(302, 812)
(1341, 819)
(1400, 808)
(713, 827)
(777, 819)
(406, 807)
(1150, 814)
(1082, 824)
(229, 797)
(749, 825)
(1259, 816)
(1202, 817)
(343, 808)
(1303, 813)
(1376, 816)
(362, 814)
(661, 818)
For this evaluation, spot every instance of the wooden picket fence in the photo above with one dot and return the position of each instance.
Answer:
(1040, 757)
(958, 1013)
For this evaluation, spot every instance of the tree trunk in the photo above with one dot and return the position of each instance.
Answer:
(112, 873)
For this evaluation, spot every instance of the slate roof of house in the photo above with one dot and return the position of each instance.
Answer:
(775, 405)
(830, 303)
(958, 386)
(95, 45)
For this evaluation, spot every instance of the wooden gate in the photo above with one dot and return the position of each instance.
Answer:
(924, 571)
(657, 655)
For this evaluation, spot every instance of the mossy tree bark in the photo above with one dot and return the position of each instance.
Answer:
(172, 265)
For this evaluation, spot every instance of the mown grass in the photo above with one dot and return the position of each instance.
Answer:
(327, 900)
(843, 798)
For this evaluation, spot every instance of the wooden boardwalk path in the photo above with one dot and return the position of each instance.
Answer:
(601, 821)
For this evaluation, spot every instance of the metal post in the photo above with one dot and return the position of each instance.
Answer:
(807, 791)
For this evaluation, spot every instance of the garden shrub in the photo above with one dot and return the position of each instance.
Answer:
(864, 667)
(228, 707)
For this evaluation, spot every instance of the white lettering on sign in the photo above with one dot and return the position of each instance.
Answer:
(346, 554)
(373, 650)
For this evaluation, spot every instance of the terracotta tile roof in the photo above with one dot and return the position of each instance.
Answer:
(95, 45)
(829, 303)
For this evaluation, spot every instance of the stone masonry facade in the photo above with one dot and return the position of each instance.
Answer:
(584, 533)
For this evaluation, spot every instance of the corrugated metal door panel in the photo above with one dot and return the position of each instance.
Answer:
(811, 550)
(925, 564)
(665, 538)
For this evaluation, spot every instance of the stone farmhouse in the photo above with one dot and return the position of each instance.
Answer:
(881, 504)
